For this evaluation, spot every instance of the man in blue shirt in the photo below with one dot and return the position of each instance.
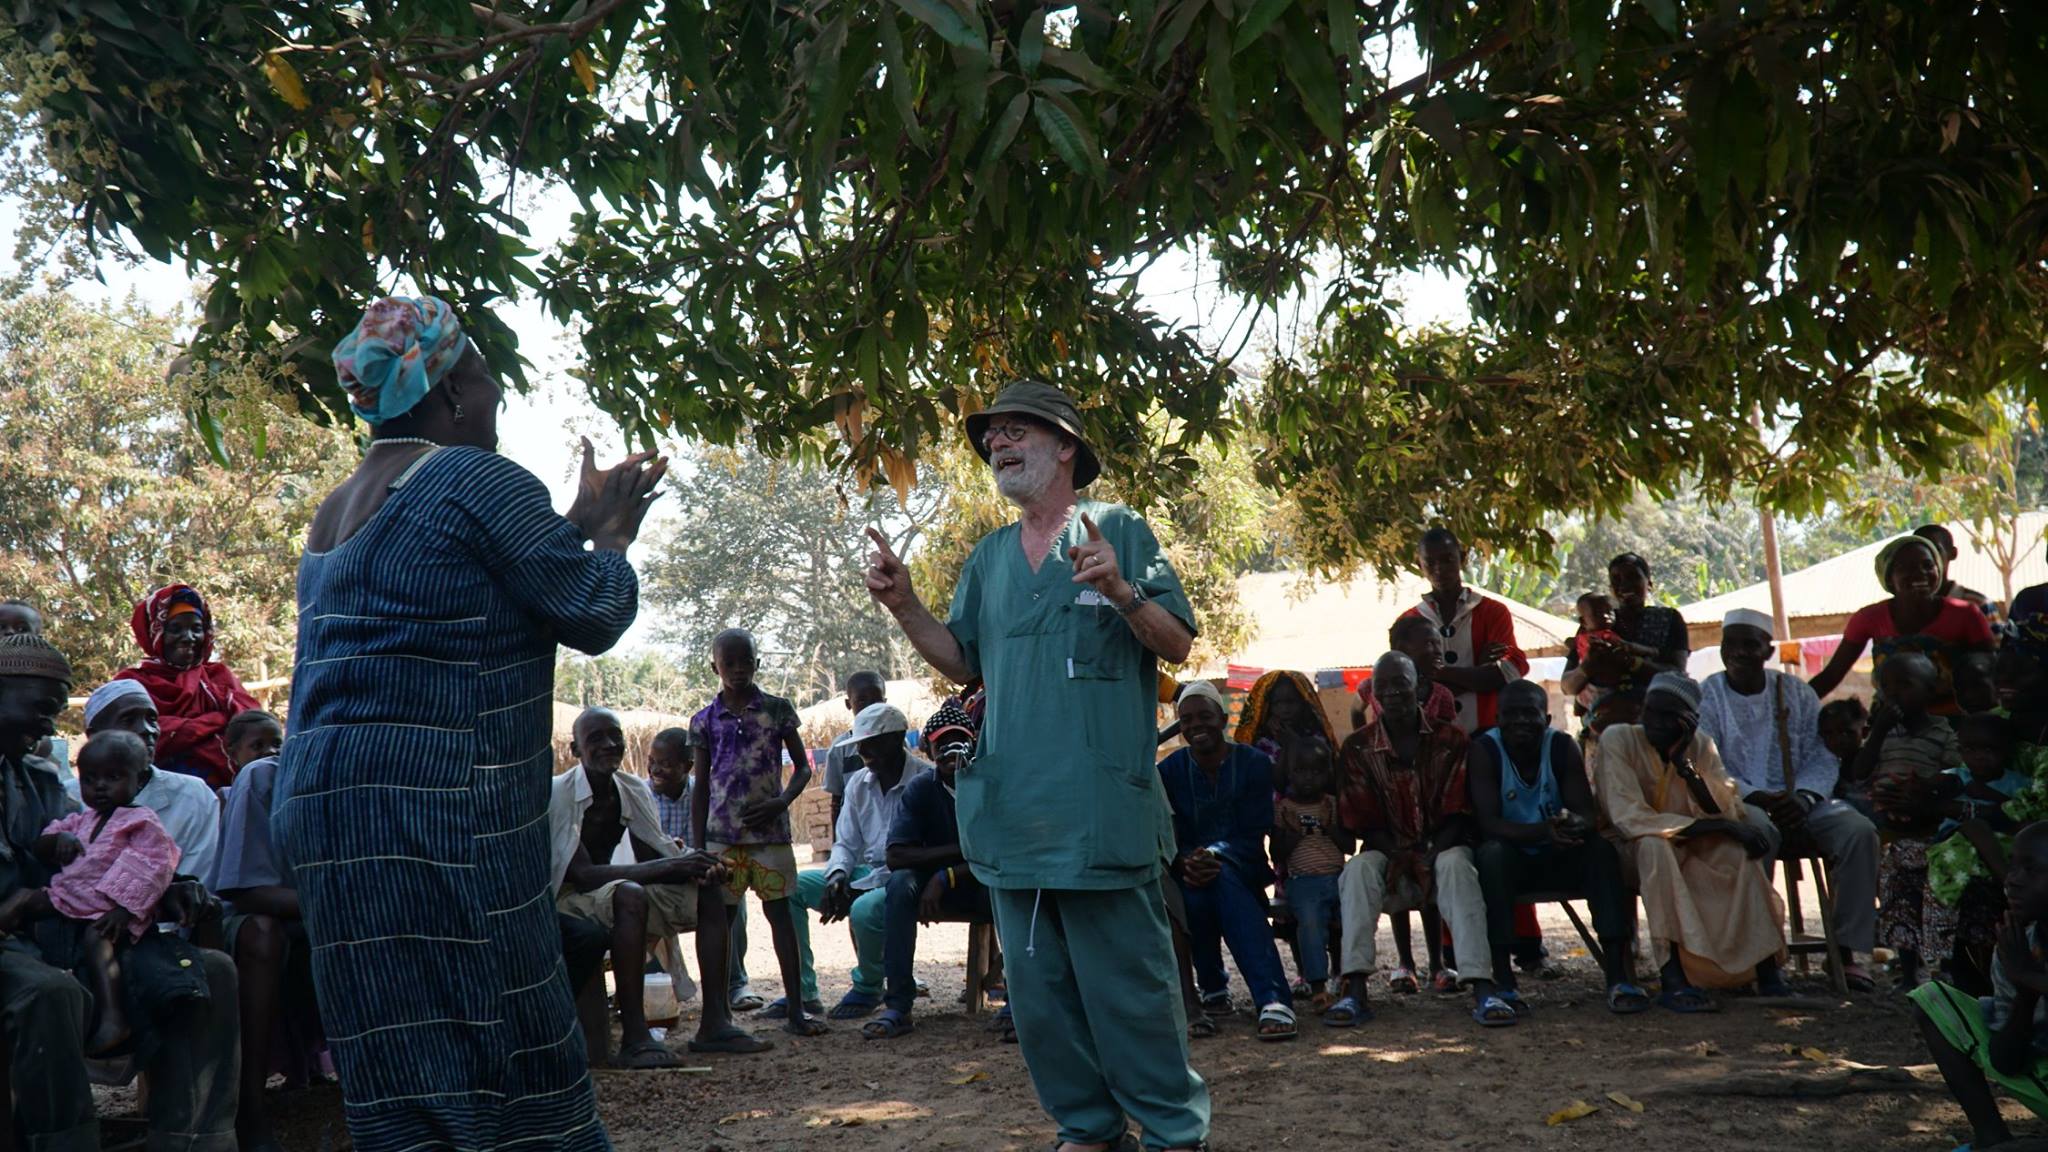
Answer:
(928, 875)
(1222, 799)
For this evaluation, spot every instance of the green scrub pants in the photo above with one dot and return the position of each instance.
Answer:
(869, 920)
(1096, 999)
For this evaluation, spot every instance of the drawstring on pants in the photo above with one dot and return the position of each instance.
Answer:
(1031, 938)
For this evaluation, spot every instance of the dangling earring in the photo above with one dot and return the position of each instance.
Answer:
(458, 413)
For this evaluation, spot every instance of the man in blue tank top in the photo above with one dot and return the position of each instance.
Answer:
(1535, 812)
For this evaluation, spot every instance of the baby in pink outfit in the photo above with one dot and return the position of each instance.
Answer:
(115, 861)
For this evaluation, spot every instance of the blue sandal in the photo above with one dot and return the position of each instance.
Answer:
(888, 1025)
(1347, 1012)
(1626, 999)
(1495, 1012)
(854, 1006)
(1513, 999)
(1687, 1000)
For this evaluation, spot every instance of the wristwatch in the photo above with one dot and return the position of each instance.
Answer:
(1136, 602)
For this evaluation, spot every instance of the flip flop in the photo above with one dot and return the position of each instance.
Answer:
(1200, 1027)
(1687, 1000)
(1300, 990)
(1004, 1025)
(647, 1054)
(1347, 1012)
(1626, 1000)
(1276, 1022)
(888, 1025)
(731, 1041)
(1494, 1012)
(1403, 980)
(1858, 978)
(854, 1006)
(805, 1025)
(1443, 981)
(746, 1002)
(778, 1008)
(1218, 1004)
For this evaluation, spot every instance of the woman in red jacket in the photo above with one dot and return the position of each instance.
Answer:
(195, 696)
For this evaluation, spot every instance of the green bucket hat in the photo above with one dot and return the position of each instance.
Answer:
(1044, 403)
(1889, 555)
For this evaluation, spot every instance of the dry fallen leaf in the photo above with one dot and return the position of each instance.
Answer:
(970, 1078)
(749, 1114)
(1815, 1055)
(1703, 1048)
(1575, 1042)
(1622, 1098)
(1576, 1110)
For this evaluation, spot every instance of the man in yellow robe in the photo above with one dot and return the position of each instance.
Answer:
(1713, 914)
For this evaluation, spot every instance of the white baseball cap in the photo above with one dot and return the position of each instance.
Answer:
(878, 719)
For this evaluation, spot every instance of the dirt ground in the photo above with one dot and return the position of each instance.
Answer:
(1422, 1076)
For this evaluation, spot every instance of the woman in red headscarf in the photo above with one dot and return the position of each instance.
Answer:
(195, 696)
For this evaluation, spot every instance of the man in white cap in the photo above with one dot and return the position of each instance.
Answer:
(189, 810)
(854, 883)
(1766, 726)
(1065, 615)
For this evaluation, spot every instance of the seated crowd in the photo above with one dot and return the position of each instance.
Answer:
(1453, 796)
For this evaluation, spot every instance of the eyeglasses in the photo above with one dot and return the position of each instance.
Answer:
(1012, 432)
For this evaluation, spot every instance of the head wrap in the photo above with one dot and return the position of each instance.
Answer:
(1206, 691)
(107, 695)
(156, 610)
(1254, 716)
(27, 654)
(1750, 618)
(401, 348)
(1677, 685)
(948, 715)
(1889, 554)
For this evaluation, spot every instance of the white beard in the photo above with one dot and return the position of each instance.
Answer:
(1024, 484)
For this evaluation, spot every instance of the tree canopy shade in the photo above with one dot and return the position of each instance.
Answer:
(835, 227)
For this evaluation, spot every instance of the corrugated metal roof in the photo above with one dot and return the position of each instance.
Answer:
(1849, 581)
(1305, 624)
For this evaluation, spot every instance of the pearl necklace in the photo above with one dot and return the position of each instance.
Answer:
(403, 440)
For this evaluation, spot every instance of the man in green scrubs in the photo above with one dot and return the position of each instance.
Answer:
(1064, 616)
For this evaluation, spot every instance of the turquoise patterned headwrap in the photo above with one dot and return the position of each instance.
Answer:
(402, 347)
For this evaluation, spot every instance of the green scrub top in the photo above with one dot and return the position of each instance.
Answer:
(1063, 792)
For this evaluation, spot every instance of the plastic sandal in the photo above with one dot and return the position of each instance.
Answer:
(1627, 1000)
(778, 1008)
(854, 1006)
(732, 1041)
(1687, 1001)
(1347, 1012)
(888, 1025)
(1218, 1004)
(1201, 1027)
(1513, 999)
(1857, 977)
(805, 1025)
(648, 1054)
(1280, 1019)
(1403, 980)
(1494, 1012)
(1443, 982)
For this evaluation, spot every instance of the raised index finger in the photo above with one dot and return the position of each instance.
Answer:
(881, 544)
(1088, 522)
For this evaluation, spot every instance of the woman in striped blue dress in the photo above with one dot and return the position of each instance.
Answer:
(412, 795)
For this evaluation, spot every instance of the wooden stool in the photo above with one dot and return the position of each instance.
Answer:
(1798, 943)
(594, 1012)
(981, 947)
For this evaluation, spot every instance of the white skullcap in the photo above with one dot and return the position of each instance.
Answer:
(1676, 684)
(1206, 691)
(107, 694)
(1752, 618)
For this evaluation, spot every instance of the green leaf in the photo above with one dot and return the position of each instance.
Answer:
(1222, 90)
(998, 144)
(209, 432)
(1162, 49)
(1665, 13)
(1063, 125)
(1344, 29)
(1080, 67)
(952, 26)
(1257, 19)
(828, 98)
(1031, 47)
(1309, 68)
(902, 86)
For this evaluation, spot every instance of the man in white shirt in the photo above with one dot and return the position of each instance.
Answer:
(854, 884)
(595, 812)
(1766, 726)
(189, 810)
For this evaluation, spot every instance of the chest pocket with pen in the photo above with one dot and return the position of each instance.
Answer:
(1103, 647)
